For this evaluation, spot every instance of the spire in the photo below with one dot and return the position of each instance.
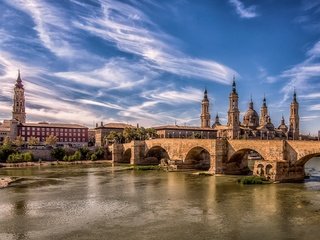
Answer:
(264, 102)
(251, 102)
(234, 84)
(282, 120)
(205, 94)
(19, 81)
(294, 95)
(217, 121)
(217, 118)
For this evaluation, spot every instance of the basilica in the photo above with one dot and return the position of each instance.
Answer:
(252, 126)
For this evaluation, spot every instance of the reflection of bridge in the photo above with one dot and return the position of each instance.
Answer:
(280, 160)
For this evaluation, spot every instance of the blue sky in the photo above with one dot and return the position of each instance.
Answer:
(149, 61)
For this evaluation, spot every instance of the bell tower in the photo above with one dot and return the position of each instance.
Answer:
(233, 113)
(263, 112)
(19, 112)
(294, 118)
(205, 114)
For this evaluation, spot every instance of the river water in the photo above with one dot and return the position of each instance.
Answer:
(103, 203)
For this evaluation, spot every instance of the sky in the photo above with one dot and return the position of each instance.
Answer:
(149, 61)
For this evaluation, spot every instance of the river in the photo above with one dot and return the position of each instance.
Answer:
(95, 202)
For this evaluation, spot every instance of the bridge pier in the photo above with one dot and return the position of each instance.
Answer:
(219, 157)
(117, 153)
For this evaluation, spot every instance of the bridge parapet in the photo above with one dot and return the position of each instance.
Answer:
(299, 152)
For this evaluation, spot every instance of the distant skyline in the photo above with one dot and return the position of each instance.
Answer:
(149, 61)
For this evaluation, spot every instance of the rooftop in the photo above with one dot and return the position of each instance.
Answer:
(57, 125)
(176, 127)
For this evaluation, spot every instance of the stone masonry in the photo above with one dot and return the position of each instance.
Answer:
(281, 160)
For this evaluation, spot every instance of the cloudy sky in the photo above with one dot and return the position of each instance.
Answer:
(149, 61)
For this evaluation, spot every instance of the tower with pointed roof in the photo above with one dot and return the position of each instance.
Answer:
(19, 112)
(205, 114)
(294, 118)
(233, 113)
(263, 112)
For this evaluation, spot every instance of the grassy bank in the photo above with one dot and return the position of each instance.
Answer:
(252, 180)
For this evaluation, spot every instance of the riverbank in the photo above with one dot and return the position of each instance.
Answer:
(6, 181)
(51, 163)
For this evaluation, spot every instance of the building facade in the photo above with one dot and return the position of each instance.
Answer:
(67, 134)
(71, 134)
(254, 126)
(175, 131)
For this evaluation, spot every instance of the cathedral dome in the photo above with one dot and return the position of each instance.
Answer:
(251, 117)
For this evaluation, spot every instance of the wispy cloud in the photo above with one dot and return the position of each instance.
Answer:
(171, 96)
(49, 25)
(242, 11)
(133, 32)
(116, 73)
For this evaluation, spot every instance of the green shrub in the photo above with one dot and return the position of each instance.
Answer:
(251, 180)
(94, 157)
(65, 158)
(20, 157)
(84, 151)
(99, 152)
(58, 153)
(5, 152)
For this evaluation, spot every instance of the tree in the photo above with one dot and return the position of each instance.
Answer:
(58, 153)
(51, 140)
(85, 153)
(19, 141)
(116, 137)
(152, 133)
(129, 134)
(33, 141)
(99, 153)
(7, 142)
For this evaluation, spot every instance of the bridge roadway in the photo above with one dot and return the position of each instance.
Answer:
(280, 160)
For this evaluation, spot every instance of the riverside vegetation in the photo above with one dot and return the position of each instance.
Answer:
(14, 152)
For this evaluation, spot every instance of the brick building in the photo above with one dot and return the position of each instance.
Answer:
(73, 134)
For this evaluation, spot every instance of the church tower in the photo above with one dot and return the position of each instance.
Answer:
(233, 113)
(263, 112)
(19, 112)
(294, 118)
(205, 115)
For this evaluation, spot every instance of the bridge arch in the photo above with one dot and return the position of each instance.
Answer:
(303, 160)
(198, 158)
(155, 154)
(242, 162)
(127, 156)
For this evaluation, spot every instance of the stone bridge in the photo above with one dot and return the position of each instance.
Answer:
(278, 160)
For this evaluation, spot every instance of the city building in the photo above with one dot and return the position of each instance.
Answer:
(67, 134)
(8, 128)
(102, 131)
